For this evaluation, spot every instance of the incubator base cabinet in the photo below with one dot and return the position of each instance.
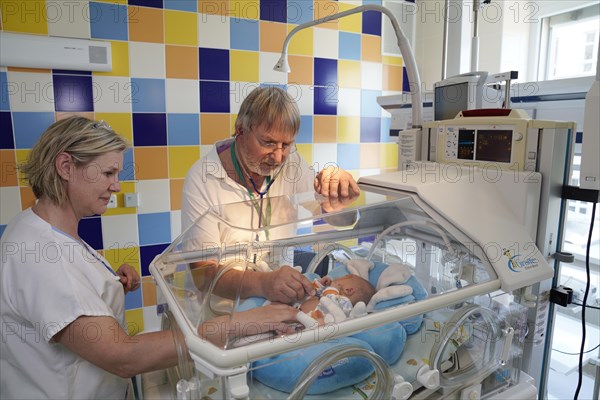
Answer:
(449, 263)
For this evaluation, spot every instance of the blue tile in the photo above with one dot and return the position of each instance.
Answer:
(129, 169)
(325, 100)
(147, 254)
(183, 129)
(244, 34)
(405, 81)
(90, 230)
(133, 300)
(73, 93)
(349, 47)
(146, 3)
(149, 129)
(348, 155)
(299, 11)
(273, 10)
(7, 140)
(214, 64)
(371, 23)
(214, 96)
(182, 5)
(368, 103)
(108, 21)
(305, 134)
(70, 72)
(154, 228)
(2, 229)
(29, 126)
(386, 123)
(370, 129)
(4, 102)
(148, 95)
(325, 72)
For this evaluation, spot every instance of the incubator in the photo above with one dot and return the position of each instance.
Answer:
(448, 261)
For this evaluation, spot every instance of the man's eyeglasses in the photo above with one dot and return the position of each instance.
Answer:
(271, 147)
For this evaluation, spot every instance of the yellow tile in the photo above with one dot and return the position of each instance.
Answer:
(246, 9)
(125, 255)
(176, 187)
(349, 74)
(389, 156)
(120, 60)
(181, 28)
(24, 16)
(22, 156)
(151, 162)
(135, 321)
(325, 8)
(305, 151)
(8, 174)
(213, 7)
(126, 187)
(146, 24)
(302, 42)
(181, 159)
(244, 65)
(348, 130)
(214, 127)
(352, 23)
(120, 122)
(121, 2)
(392, 60)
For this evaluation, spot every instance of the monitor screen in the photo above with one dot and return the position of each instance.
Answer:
(494, 145)
(450, 100)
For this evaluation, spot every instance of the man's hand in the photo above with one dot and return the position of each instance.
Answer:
(335, 182)
(285, 285)
(129, 278)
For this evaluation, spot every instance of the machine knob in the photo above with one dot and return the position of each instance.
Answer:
(430, 378)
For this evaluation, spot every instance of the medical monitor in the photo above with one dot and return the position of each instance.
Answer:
(458, 93)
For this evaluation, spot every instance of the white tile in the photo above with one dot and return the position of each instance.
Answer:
(175, 224)
(213, 30)
(147, 60)
(326, 43)
(10, 203)
(30, 91)
(183, 96)
(154, 196)
(238, 91)
(348, 102)
(68, 18)
(324, 155)
(152, 321)
(371, 75)
(112, 94)
(120, 231)
(265, 70)
(303, 95)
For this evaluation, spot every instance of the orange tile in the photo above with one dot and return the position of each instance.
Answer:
(27, 197)
(213, 7)
(63, 115)
(392, 77)
(302, 70)
(8, 164)
(325, 8)
(148, 291)
(146, 24)
(272, 36)
(214, 127)
(369, 155)
(182, 62)
(325, 129)
(151, 162)
(371, 48)
(176, 189)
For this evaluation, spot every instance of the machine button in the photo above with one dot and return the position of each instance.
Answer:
(531, 155)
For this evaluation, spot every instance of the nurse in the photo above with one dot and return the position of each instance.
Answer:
(61, 303)
(259, 163)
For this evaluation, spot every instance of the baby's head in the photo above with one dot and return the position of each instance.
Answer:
(354, 287)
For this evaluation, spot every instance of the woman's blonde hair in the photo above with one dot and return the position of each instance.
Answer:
(269, 105)
(80, 137)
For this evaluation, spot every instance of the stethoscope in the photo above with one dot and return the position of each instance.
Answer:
(259, 207)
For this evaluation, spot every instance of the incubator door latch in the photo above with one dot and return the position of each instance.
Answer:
(471, 393)
(238, 387)
(508, 337)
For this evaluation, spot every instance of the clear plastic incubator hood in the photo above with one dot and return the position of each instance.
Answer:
(437, 324)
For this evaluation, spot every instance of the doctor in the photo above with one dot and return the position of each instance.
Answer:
(61, 303)
(258, 163)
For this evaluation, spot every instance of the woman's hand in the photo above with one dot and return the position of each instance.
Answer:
(334, 182)
(285, 285)
(129, 278)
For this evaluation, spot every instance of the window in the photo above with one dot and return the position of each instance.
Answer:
(570, 41)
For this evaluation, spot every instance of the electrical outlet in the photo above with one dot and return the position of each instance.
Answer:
(112, 202)
(132, 199)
